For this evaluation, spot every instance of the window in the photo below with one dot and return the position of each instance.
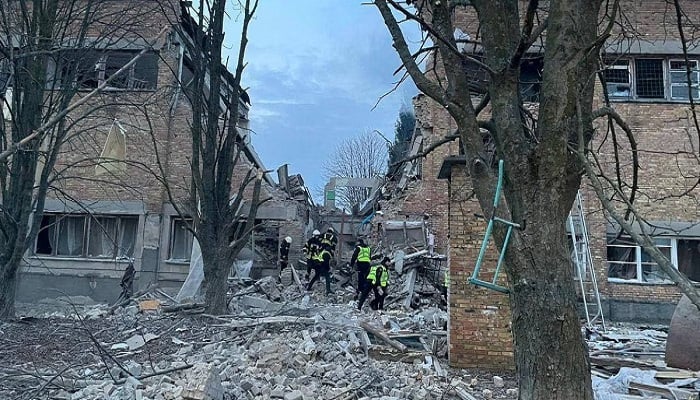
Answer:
(679, 78)
(617, 79)
(92, 69)
(531, 79)
(629, 262)
(648, 79)
(87, 236)
(180, 240)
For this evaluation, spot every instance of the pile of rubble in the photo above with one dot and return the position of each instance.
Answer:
(278, 342)
(627, 362)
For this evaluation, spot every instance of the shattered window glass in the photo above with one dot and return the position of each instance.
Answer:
(180, 241)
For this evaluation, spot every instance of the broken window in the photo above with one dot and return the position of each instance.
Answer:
(689, 258)
(89, 70)
(617, 79)
(630, 262)
(679, 79)
(83, 236)
(180, 240)
(651, 79)
(622, 258)
(531, 79)
(112, 237)
(650, 270)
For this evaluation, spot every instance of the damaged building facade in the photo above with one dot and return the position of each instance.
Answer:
(646, 84)
(107, 203)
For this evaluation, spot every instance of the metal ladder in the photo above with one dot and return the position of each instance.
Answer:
(581, 255)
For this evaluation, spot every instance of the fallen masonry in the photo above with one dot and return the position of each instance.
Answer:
(303, 346)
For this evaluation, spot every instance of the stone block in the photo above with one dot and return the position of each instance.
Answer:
(203, 383)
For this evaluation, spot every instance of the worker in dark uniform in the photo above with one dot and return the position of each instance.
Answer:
(361, 258)
(322, 268)
(284, 256)
(311, 248)
(378, 282)
(330, 240)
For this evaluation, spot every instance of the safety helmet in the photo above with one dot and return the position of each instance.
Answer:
(330, 229)
(316, 232)
(288, 239)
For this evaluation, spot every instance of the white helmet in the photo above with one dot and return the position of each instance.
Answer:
(288, 239)
(316, 232)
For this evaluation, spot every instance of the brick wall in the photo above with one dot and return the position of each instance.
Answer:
(480, 327)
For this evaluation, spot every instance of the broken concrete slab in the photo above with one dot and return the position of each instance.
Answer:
(137, 341)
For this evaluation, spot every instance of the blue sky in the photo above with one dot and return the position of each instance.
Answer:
(315, 70)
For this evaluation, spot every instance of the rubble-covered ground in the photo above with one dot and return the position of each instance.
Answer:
(278, 342)
(281, 342)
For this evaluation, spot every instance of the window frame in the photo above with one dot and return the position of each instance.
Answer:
(88, 221)
(668, 85)
(671, 84)
(639, 263)
(171, 240)
(97, 71)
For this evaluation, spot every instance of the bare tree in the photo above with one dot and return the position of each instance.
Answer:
(362, 156)
(546, 153)
(48, 50)
(221, 205)
(550, 354)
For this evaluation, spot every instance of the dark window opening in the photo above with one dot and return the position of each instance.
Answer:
(689, 258)
(477, 76)
(87, 70)
(649, 78)
(531, 79)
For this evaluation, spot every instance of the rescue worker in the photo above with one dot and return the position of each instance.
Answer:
(361, 258)
(311, 248)
(284, 256)
(378, 282)
(330, 240)
(322, 261)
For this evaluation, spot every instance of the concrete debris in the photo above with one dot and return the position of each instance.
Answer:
(275, 344)
(629, 361)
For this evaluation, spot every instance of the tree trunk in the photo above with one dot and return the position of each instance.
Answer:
(8, 288)
(215, 285)
(550, 353)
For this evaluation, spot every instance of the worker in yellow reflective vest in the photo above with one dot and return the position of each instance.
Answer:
(378, 282)
(322, 262)
(361, 258)
(311, 248)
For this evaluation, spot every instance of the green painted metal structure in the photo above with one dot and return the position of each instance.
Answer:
(487, 236)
